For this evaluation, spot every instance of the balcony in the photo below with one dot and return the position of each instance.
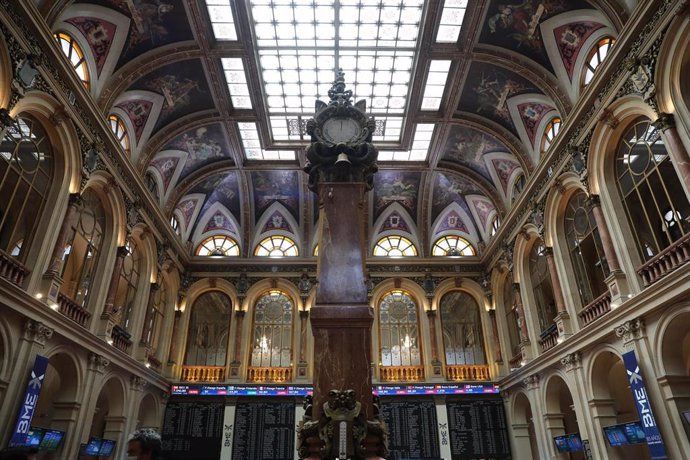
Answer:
(401, 373)
(666, 261)
(548, 338)
(122, 339)
(12, 270)
(471, 372)
(73, 310)
(209, 374)
(596, 309)
(269, 374)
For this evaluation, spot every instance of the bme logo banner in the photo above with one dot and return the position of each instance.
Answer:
(29, 401)
(644, 409)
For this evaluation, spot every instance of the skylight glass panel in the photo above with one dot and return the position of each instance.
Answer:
(451, 21)
(252, 145)
(237, 83)
(222, 20)
(302, 43)
(435, 84)
(420, 146)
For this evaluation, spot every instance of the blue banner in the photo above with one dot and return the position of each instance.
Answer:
(644, 408)
(29, 401)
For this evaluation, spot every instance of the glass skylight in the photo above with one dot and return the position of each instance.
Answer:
(252, 145)
(301, 44)
(420, 146)
(222, 20)
(435, 84)
(451, 21)
(237, 83)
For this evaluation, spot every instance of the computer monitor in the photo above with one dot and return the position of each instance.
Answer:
(561, 444)
(635, 433)
(34, 436)
(107, 448)
(51, 440)
(624, 434)
(615, 435)
(93, 446)
(686, 416)
(568, 442)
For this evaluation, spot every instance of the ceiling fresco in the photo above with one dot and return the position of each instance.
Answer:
(489, 133)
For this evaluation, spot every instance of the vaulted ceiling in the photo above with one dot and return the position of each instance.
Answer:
(216, 120)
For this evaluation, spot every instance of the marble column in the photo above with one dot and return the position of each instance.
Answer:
(562, 318)
(435, 361)
(147, 328)
(115, 281)
(498, 356)
(525, 346)
(51, 283)
(302, 365)
(237, 356)
(679, 155)
(173, 337)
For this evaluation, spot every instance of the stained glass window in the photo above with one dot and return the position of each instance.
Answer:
(272, 332)
(219, 245)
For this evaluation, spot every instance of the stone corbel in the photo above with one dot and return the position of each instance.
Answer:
(98, 363)
(531, 382)
(37, 331)
(571, 361)
(138, 383)
(630, 331)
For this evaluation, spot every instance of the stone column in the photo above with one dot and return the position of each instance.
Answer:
(616, 281)
(679, 155)
(562, 318)
(137, 385)
(92, 382)
(498, 355)
(51, 283)
(173, 337)
(146, 329)
(114, 281)
(435, 361)
(302, 365)
(525, 346)
(534, 395)
(573, 368)
(237, 358)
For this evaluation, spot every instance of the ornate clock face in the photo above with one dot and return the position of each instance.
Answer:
(337, 130)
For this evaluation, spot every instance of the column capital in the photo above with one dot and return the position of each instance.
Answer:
(665, 121)
(239, 313)
(593, 201)
(571, 361)
(37, 331)
(138, 383)
(548, 251)
(531, 381)
(75, 199)
(98, 363)
(431, 313)
(304, 314)
(122, 251)
(631, 330)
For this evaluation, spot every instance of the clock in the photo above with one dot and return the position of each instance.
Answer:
(339, 130)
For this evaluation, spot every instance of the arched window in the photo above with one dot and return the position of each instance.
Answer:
(219, 245)
(209, 330)
(26, 173)
(175, 224)
(550, 134)
(495, 225)
(151, 185)
(653, 197)
(75, 55)
(541, 285)
(453, 246)
(399, 330)
(395, 246)
(462, 329)
(518, 187)
(127, 285)
(120, 131)
(512, 317)
(276, 246)
(586, 251)
(595, 57)
(272, 331)
(83, 249)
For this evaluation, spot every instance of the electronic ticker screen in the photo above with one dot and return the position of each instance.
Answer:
(51, 440)
(624, 434)
(93, 447)
(107, 447)
(34, 436)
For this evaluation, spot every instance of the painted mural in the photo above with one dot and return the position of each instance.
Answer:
(467, 147)
(99, 34)
(531, 114)
(220, 221)
(448, 189)
(203, 145)
(395, 222)
(514, 24)
(183, 86)
(396, 187)
(138, 112)
(488, 89)
(222, 187)
(277, 222)
(186, 207)
(570, 39)
(504, 170)
(278, 185)
(452, 221)
(154, 23)
(165, 165)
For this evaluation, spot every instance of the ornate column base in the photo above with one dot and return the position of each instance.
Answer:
(342, 431)
(50, 287)
(563, 324)
(302, 368)
(437, 370)
(526, 351)
(618, 287)
(235, 369)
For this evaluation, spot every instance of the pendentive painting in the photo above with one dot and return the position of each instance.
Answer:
(396, 187)
(279, 185)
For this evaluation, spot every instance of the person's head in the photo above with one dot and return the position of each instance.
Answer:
(144, 445)
(18, 453)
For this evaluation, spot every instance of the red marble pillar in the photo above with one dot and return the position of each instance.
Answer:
(148, 326)
(68, 222)
(524, 335)
(497, 341)
(679, 155)
(239, 319)
(173, 337)
(303, 316)
(341, 318)
(431, 314)
(115, 280)
(555, 282)
(604, 235)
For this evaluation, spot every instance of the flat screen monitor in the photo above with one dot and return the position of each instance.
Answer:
(686, 416)
(34, 436)
(624, 434)
(51, 440)
(107, 447)
(568, 442)
(561, 444)
(93, 446)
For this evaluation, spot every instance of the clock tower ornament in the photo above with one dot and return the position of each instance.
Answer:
(341, 148)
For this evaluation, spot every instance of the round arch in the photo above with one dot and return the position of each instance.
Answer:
(149, 412)
(559, 408)
(5, 73)
(521, 420)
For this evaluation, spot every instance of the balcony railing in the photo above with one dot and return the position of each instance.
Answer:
(467, 372)
(73, 310)
(596, 309)
(269, 374)
(401, 373)
(549, 337)
(515, 361)
(121, 338)
(12, 270)
(202, 373)
(666, 261)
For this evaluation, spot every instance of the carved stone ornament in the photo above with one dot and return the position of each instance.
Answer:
(571, 361)
(341, 430)
(531, 382)
(631, 330)
(138, 383)
(98, 362)
(37, 331)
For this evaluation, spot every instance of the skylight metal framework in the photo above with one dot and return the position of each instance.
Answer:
(451, 21)
(252, 145)
(420, 146)
(222, 20)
